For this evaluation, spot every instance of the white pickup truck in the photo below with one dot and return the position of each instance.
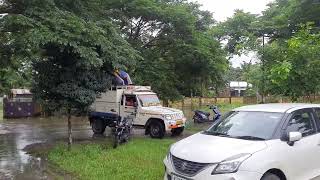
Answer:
(139, 102)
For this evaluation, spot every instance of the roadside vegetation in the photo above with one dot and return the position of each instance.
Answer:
(223, 107)
(1, 111)
(141, 158)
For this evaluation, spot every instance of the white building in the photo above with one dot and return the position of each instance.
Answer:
(238, 88)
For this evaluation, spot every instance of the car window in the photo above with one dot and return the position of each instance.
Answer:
(131, 101)
(317, 110)
(301, 121)
(317, 114)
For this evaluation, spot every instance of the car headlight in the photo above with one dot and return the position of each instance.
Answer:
(230, 165)
(168, 155)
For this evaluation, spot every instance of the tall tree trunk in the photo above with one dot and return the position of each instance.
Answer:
(69, 130)
(166, 103)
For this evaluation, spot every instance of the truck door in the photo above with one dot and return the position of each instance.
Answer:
(129, 106)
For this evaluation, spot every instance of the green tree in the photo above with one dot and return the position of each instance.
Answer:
(296, 72)
(283, 17)
(173, 40)
(71, 57)
(239, 31)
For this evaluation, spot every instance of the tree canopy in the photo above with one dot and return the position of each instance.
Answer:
(71, 58)
(171, 38)
(288, 60)
(171, 45)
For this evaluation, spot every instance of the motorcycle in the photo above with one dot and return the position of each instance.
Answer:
(122, 130)
(201, 116)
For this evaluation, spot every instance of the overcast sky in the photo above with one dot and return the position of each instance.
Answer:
(222, 9)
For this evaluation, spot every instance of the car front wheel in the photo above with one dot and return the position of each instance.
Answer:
(270, 176)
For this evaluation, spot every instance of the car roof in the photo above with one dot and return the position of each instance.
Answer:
(277, 107)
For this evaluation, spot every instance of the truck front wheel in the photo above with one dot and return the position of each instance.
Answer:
(177, 131)
(98, 126)
(156, 129)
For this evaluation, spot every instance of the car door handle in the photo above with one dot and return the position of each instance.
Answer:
(112, 110)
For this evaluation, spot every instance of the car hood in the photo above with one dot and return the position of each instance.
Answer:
(160, 110)
(213, 149)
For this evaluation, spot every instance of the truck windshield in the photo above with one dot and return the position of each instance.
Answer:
(247, 125)
(147, 100)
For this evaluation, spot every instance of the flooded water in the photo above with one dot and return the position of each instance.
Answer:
(15, 135)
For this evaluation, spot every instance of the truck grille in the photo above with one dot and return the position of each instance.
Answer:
(187, 167)
(177, 116)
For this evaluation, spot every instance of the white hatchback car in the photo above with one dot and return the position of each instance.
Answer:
(256, 142)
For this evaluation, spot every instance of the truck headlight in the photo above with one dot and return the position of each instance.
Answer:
(230, 165)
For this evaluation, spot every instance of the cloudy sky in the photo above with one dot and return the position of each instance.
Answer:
(222, 9)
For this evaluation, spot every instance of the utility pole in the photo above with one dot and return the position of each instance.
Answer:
(263, 72)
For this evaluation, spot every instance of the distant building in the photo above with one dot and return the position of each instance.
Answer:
(238, 88)
(20, 103)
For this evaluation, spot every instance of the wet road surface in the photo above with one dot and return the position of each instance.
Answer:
(15, 135)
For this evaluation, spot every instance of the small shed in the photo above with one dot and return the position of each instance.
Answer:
(238, 88)
(19, 103)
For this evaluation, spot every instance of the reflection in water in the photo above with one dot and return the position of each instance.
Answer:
(17, 134)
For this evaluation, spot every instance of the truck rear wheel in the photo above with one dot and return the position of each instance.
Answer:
(177, 131)
(156, 130)
(98, 126)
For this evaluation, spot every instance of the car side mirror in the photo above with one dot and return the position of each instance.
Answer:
(295, 136)
(292, 137)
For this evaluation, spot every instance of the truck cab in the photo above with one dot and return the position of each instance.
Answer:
(139, 102)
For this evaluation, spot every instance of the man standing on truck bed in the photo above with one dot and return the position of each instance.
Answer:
(122, 78)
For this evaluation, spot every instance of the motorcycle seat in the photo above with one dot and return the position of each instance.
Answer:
(205, 113)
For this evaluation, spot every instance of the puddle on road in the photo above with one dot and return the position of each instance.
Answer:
(15, 135)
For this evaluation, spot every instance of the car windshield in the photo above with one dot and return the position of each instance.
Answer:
(147, 100)
(247, 125)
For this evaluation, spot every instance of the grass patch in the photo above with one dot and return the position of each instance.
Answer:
(194, 128)
(138, 159)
